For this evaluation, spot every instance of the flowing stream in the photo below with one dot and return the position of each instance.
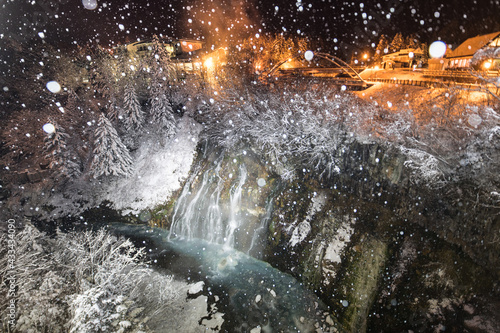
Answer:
(252, 294)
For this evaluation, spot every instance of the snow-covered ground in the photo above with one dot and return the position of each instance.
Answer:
(158, 171)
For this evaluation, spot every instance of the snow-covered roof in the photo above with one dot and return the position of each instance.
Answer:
(472, 45)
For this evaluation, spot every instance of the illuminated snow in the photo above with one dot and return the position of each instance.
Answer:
(159, 171)
(49, 128)
(89, 4)
(437, 49)
(261, 182)
(309, 55)
(53, 87)
(474, 120)
(196, 288)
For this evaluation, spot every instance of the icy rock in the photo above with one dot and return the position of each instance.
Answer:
(258, 298)
(300, 233)
(196, 288)
(121, 308)
(125, 324)
(136, 312)
(256, 330)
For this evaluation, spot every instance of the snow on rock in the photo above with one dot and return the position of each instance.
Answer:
(336, 246)
(300, 233)
(256, 330)
(196, 288)
(158, 171)
(304, 228)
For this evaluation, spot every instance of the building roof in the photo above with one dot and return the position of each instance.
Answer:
(472, 45)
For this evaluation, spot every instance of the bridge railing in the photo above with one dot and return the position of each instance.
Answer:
(437, 84)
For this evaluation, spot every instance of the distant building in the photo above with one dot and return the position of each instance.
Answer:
(405, 58)
(466, 54)
(183, 52)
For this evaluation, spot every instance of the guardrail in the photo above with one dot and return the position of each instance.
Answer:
(435, 83)
(418, 83)
(458, 73)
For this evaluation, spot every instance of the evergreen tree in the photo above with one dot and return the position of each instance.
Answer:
(133, 116)
(113, 110)
(398, 43)
(161, 112)
(61, 161)
(111, 156)
(162, 72)
(412, 42)
(160, 64)
(382, 48)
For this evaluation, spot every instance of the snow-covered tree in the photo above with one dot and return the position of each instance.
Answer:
(412, 42)
(162, 73)
(82, 281)
(41, 289)
(133, 116)
(398, 43)
(113, 109)
(111, 156)
(382, 47)
(162, 115)
(61, 161)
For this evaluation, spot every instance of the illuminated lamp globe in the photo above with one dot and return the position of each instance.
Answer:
(89, 4)
(309, 55)
(411, 55)
(49, 128)
(437, 49)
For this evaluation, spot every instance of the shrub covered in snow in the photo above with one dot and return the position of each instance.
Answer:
(294, 129)
(81, 282)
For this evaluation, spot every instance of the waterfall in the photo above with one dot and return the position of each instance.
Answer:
(202, 211)
(234, 208)
(254, 249)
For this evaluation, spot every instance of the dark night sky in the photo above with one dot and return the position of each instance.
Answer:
(336, 25)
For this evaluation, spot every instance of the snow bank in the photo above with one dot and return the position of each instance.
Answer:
(158, 171)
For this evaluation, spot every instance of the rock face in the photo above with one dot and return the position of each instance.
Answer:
(380, 248)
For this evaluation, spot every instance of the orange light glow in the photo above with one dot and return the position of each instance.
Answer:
(209, 63)
(487, 64)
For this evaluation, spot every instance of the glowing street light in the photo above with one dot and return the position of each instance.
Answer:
(487, 64)
(209, 63)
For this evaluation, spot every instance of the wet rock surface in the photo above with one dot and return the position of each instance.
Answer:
(383, 251)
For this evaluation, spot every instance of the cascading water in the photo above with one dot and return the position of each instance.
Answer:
(234, 208)
(259, 233)
(204, 211)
